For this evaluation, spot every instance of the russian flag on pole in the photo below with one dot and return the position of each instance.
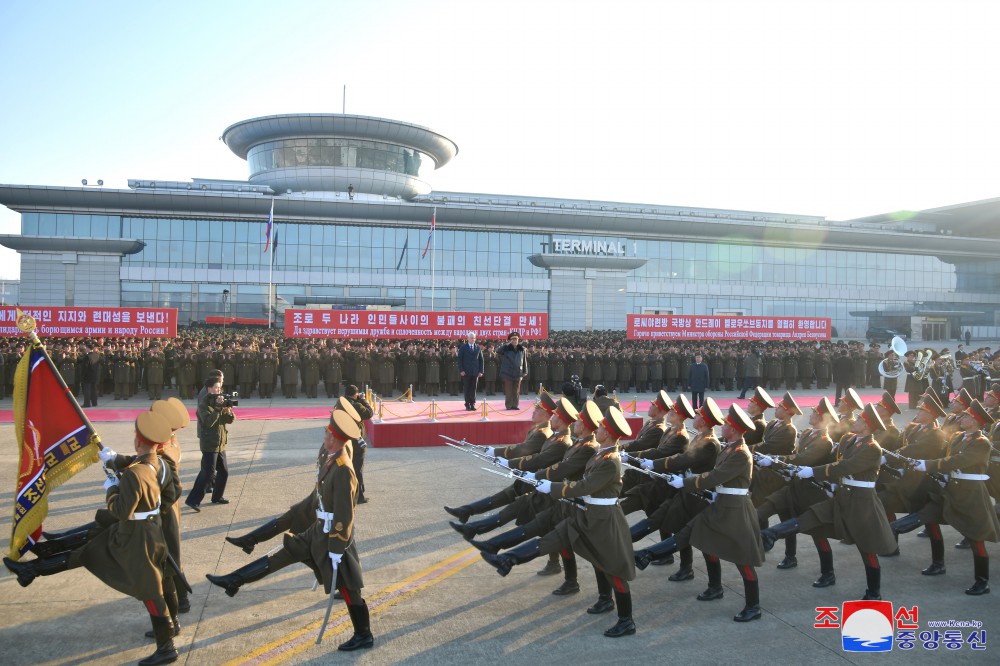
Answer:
(270, 226)
(54, 440)
(430, 235)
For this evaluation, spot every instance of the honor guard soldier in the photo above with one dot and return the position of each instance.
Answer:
(300, 516)
(814, 448)
(779, 440)
(756, 409)
(599, 534)
(327, 546)
(963, 501)
(854, 514)
(888, 439)
(727, 529)
(130, 554)
(845, 410)
(546, 512)
(551, 452)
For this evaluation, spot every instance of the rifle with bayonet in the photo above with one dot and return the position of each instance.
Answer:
(905, 463)
(788, 470)
(636, 463)
(479, 451)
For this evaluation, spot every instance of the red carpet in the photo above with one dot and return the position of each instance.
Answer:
(409, 424)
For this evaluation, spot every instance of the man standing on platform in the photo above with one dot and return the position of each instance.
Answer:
(470, 368)
(697, 381)
(513, 368)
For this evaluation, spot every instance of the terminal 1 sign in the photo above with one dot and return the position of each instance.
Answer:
(307, 323)
(706, 327)
(80, 322)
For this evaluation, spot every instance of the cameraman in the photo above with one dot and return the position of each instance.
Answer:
(213, 416)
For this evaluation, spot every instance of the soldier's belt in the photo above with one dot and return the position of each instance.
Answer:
(143, 515)
(722, 490)
(599, 501)
(857, 484)
(327, 518)
(970, 477)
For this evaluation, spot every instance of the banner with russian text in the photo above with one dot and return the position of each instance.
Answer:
(54, 440)
(75, 322)
(300, 323)
(695, 327)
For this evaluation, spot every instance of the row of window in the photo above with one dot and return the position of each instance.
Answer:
(336, 153)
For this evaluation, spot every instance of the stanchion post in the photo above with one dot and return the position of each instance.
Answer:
(635, 403)
(378, 414)
(433, 418)
(486, 407)
(410, 397)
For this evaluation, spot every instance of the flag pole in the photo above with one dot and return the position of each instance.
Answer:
(433, 233)
(270, 268)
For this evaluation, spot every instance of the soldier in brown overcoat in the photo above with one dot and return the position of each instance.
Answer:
(328, 546)
(129, 555)
(778, 440)
(854, 514)
(727, 529)
(814, 448)
(599, 534)
(963, 502)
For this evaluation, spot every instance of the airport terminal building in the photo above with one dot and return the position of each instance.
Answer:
(353, 205)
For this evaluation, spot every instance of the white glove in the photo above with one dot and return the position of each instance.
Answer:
(491, 452)
(676, 481)
(106, 455)
(883, 460)
(921, 466)
(503, 463)
(544, 487)
(530, 476)
(645, 463)
(833, 487)
(335, 559)
(110, 482)
(764, 461)
(804, 472)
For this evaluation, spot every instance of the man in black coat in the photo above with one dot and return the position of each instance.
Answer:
(698, 379)
(470, 368)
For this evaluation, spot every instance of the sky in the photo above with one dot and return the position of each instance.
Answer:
(836, 108)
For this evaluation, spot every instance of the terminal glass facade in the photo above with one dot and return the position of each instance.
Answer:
(336, 152)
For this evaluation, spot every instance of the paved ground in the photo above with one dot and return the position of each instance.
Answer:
(433, 601)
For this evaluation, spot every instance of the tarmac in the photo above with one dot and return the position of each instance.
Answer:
(433, 600)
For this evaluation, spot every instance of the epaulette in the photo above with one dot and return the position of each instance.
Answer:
(340, 461)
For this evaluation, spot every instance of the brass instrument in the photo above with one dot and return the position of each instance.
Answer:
(923, 364)
(893, 368)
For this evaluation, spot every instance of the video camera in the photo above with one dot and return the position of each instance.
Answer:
(229, 399)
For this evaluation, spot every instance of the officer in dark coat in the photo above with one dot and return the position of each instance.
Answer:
(698, 379)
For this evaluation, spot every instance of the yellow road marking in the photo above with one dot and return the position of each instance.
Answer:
(302, 639)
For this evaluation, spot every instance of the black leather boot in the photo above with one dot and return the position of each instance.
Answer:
(523, 553)
(714, 590)
(463, 513)
(906, 524)
(625, 626)
(63, 544)
(873, 575)
(28, 571)
(936, 568)
(183, 602)
(641, 529)
(981, 567)
(362, 637)
(551, 568)
(686, 570)
(771, 534)
(476, 527)
(604, 603)
(500, 541)
(265, 532)
(165, 653)
(248, 574)
(645, 556)
(52, 536)
(570, 585)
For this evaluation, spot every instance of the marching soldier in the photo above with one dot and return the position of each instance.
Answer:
(756, 409)
(814, 448)
(599, 534)
(328, 546)
(130, 554)
(963, 501)
(854, 514)
(845, 410)
(726, 529)
(778, 440)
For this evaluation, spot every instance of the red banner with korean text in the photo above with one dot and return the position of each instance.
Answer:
(75, 322)
(301, 323)
(705, 327)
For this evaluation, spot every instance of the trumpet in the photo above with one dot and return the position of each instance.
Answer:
(893, 368)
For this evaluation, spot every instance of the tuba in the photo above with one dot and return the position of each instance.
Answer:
(893, 368)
